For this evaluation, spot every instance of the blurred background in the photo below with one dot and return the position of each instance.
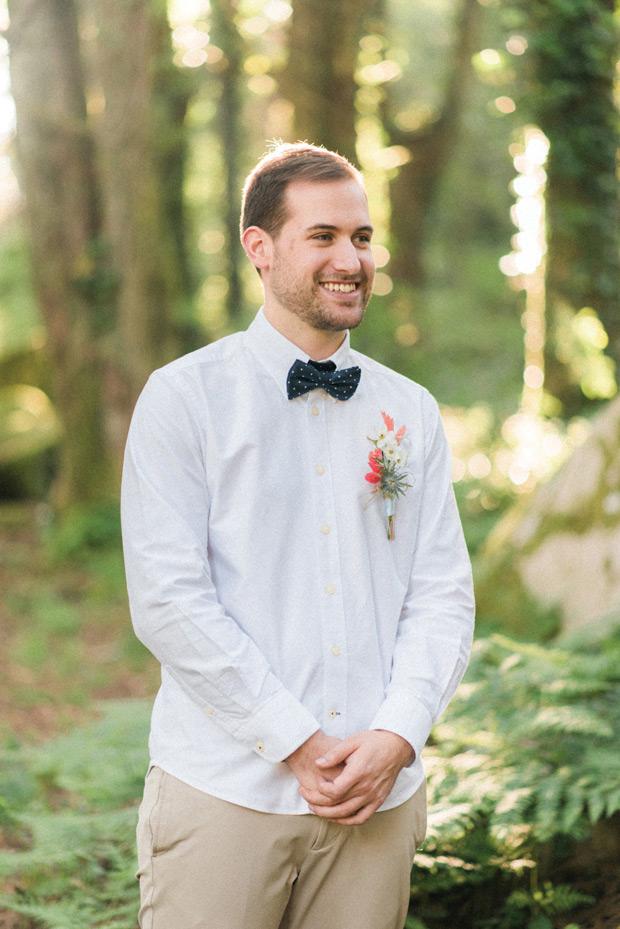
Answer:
(488, 135)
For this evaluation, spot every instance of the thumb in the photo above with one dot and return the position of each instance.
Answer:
(336, 755)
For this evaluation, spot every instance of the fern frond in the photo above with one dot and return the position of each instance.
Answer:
(569, 720)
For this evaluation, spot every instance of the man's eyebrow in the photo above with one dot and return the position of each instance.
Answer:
(331, 228)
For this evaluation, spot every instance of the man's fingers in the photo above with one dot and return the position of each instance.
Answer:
(336, 755)
(318, 797)
(348, 781)
(340, 810)
(341, 788)
(358, 818)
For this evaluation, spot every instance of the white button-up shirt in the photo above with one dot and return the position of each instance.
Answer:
(263, 580)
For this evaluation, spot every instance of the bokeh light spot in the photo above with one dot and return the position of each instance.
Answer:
(407, 334)
(278, 11)
(505, 104)
(490, 57)
(383, 284)
(381, 255)
(516, 45)
(262, 84)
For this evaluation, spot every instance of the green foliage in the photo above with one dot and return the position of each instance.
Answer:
(521, 768)
(84, 529)
(525, 761)
(542, 904)
(68, 810)
(19, 317)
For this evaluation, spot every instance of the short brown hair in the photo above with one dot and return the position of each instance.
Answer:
(263, 193)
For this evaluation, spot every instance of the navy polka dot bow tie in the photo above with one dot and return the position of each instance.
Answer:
(304, 377)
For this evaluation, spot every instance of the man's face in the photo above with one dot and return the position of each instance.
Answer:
(322, 267)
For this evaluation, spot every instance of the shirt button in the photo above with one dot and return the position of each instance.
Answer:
(320, 469)
(332, 714)
(325, 530)
(315, 411)
(330, 589)
(260, 747)
(336, 650)
(209, 711)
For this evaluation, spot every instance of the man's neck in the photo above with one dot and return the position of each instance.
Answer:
(315, 343)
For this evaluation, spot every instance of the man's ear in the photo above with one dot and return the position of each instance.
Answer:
(258, 247)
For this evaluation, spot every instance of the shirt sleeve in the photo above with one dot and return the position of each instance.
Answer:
(435, 629)
(173, 602)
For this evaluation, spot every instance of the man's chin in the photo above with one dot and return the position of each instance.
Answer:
(342, 321)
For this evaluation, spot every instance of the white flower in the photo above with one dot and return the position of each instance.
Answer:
(387, 439)
(390, 451)
(401, 456)
(377, 434)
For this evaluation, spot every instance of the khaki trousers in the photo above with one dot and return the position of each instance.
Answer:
(208, 864)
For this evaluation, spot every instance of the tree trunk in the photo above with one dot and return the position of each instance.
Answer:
(570, 73)
(319, 79)
(414, 187)
(55, 153)
(226, 36)
(139, 135)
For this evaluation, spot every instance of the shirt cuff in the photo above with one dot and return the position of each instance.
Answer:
(407, 717)
(278, 727)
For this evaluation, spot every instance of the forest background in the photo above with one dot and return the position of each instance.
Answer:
(487, 133)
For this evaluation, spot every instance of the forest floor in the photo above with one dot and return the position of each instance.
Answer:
(65, 630)
(67, 642)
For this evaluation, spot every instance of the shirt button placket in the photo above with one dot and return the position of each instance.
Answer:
(332, 607)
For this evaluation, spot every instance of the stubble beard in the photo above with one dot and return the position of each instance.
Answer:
(308, 305)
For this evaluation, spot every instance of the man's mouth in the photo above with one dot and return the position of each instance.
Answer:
(339, 288)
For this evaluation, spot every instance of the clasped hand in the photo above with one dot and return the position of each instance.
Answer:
(347, 780)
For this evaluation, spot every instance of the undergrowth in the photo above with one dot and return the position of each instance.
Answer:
(519, 771)
(523, 765)
(68, 812)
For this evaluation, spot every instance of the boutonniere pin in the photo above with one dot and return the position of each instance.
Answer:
(387, 462)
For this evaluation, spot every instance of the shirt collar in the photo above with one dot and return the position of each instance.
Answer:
(276, 353)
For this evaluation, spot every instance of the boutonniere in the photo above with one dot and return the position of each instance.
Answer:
(387, 462)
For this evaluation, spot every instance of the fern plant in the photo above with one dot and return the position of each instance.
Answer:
(525, 759)
(70, 811)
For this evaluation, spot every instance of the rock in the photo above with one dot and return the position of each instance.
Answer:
(552, 565)
(29, 431)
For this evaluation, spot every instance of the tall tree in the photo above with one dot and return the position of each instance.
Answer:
(319, 78)
(226, 36)
(414, 187)
(58, 177)
(139, 136)
(100, 137)
(570, 76)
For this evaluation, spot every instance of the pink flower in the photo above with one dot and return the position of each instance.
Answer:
(389, 422)
(373, 478)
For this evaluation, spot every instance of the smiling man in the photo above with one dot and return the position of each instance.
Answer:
(296, 563)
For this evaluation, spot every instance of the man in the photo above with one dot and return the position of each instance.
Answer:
(312, 617)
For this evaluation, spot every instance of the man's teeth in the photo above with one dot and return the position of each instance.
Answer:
(340, 288)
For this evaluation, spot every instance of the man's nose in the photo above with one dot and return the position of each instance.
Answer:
(345, 258)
